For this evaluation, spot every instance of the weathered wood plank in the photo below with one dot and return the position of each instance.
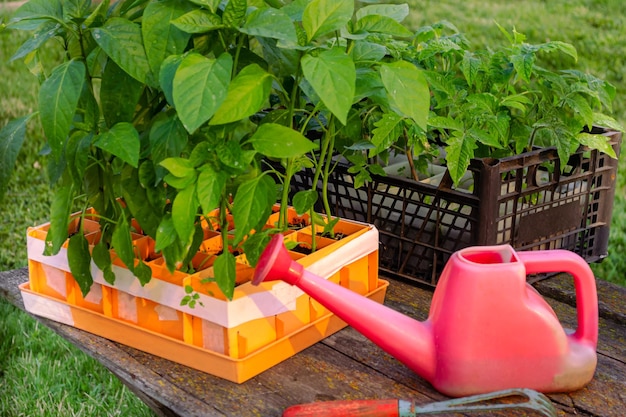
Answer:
(344, 366)
(608, 384)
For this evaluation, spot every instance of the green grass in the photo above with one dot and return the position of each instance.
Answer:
(41, 375)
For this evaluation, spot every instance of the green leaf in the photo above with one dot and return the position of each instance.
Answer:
(143, 272)
(599, 142)
(470, 66)
(209, 4)
(209, 188)
(166, 233)
(362, 145)
(34, 13)
(77, 155)
(444, 123)
(486, 138)
(79, 260)
(173, 255)
(277, 141)
(168, 137)
(273, 23)
(517, 101)
(566, 48)
(459, 151)
(47, 31)
(87, 116)
(225, 268)
(254, 246)
(282, 62)
(122, 41)
(98, 15)
(122, 140)
(364, 51)
(388, 130)
(323, 16)
(599, 119)
(562, 139)
(247, 93)
(161, 38)
(303, 201)
(119, 94)
(179, 167)
(102, 258)
(232, 155)
(294, 9)
(59, 218)
(122, 242)
(184, 212)
(234, 13)
(440, 84)
(11, 139)
(397, 12)
(523, 64)
(253, 205)
(179, 183)
(73, 9)
(408, 91)
(333, 77)
(200, 87)
(580, 105)
(505, 33)
(381, 24)
(60, 93)
(198, 21)
(166, 76)
(157, 196)
(136, 199)
(369, 85)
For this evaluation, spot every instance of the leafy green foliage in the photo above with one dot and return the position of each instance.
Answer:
(323, 16)
(499, 102)
(200, 87)
(332, 75)
(79, 257)
(122, 41)
(61, 91)
(166, 111)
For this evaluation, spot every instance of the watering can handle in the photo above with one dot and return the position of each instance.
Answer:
(586, 297)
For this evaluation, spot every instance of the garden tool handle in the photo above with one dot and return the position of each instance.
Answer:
(353, 408)
(560, 260)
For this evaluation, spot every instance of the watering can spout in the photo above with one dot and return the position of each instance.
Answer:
(493, 331)
(408, 340)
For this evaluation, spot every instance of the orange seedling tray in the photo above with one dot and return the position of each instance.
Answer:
(235, 370)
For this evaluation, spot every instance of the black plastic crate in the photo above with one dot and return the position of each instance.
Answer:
(525, 201)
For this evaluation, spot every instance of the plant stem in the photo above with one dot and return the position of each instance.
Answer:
(282, 218)
(409, 156)
(327, 164)
(223, 221)
(237, 52)
(313, 226)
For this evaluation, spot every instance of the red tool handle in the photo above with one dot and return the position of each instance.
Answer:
(353, 408)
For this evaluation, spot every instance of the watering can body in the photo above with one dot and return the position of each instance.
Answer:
(491, 329)
(487, 329)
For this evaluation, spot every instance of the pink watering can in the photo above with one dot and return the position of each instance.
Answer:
(487, 330)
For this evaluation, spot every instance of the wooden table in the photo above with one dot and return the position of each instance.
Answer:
(345, 365)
